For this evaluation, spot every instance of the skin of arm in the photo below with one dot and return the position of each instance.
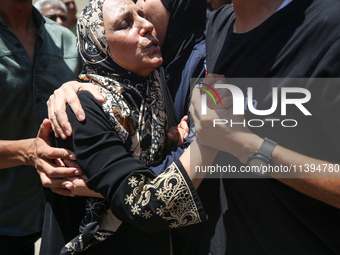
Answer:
(242, 143)
(28, 151)
(16, 153)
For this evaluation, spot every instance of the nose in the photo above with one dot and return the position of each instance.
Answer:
(146, 27)
(140, 4)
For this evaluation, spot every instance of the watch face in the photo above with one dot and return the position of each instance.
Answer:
(257, 162)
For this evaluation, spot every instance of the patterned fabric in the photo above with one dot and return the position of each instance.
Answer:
(134, 107)
(176, 202)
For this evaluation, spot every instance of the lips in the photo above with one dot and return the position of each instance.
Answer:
(153, 45)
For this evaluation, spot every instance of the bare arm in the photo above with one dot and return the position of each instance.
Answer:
(16, 153)
(30, 151)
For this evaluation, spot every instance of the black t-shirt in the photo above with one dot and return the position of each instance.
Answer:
(264, 216)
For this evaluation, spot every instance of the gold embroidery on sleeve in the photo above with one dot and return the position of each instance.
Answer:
(177, 204)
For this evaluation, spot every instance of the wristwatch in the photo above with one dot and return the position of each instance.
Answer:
(263, 156)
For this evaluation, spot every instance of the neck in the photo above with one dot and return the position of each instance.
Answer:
(17, 14)
(72, 22)
(250, 14)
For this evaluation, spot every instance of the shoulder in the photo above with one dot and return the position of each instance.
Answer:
(59, 36)
(218, 19)
(88, 100)
(54, 28)
(218, 25)
(325, 12)
(91, 106)
(95, 117)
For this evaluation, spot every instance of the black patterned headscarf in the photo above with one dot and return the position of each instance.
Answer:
(134, 107)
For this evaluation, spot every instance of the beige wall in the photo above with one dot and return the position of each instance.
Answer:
(79, 3)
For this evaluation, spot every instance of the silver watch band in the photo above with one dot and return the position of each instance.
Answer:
(267, 148)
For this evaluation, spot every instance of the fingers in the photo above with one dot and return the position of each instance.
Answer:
(62, 96)
(184, 125)
(58, 116)
(73, 100)
(170, 138)
(177, 135)
(211, 78)
(78, 182)
(44, 151)
(63, 192)
(54, 153)
(67, 94)
(48, 168)
(49, 182)
(93, 90)
(185, 118)
(216, 99)
(80, 188)
(71, 163)
(181, 136)
(45, 130)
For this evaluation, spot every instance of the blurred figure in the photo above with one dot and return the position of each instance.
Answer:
(216, 4)
(71, 15)
(54, 10)
(37, 55)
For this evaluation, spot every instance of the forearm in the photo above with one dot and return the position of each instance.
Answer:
(16, 153)
(134, 192)
(197, 155)
(322, 185)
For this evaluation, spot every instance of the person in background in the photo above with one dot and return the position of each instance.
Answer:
(54, 10)
(37, 55)
(71, 15)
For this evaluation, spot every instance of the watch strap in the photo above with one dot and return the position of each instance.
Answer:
(267, 148)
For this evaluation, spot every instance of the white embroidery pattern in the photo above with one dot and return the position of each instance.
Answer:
(177, 204)
(147, 214)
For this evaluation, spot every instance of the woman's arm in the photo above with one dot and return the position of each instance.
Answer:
(133, 191)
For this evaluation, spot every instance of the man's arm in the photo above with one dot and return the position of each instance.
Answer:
(16, 153)
(242, 143)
